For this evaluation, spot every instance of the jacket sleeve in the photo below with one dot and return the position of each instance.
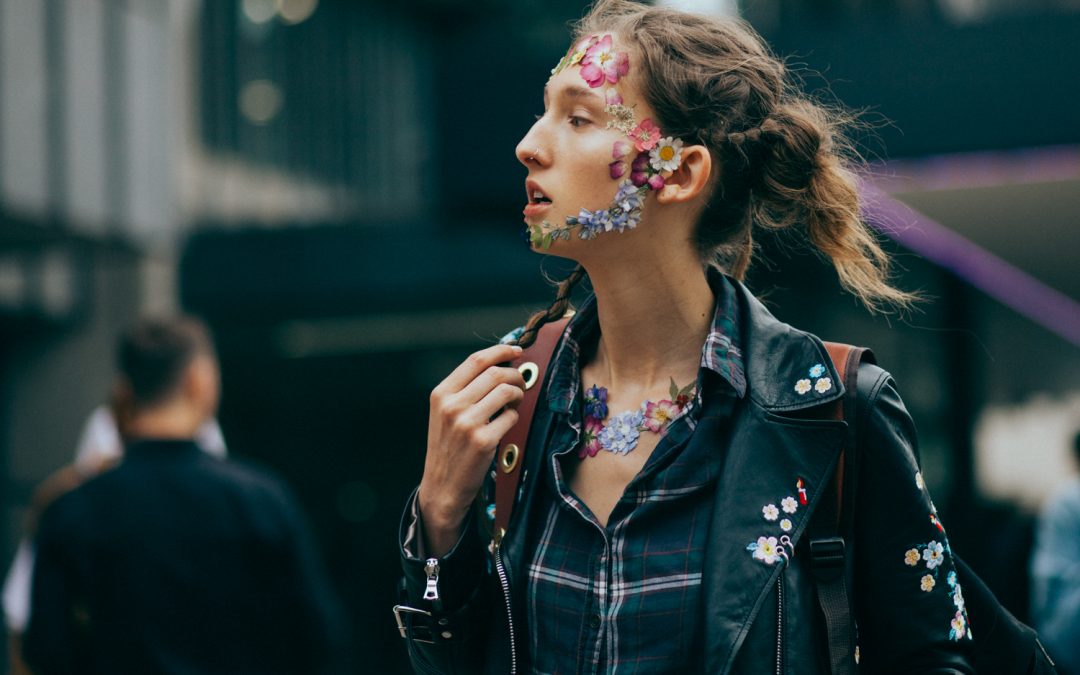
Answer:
(447, 634)
(909, 603)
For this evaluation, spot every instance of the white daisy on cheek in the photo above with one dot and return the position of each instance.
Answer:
(666, 155)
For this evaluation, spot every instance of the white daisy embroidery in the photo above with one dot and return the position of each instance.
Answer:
(770, 512)
(789, 504)
(927, 583)
(802, 387)
(765, 549)
(823, 385)
(786, 525)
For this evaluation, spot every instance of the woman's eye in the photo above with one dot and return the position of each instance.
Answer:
(576, 121)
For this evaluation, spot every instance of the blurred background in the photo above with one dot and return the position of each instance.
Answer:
(332, 186)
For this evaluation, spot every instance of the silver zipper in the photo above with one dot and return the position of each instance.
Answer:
(431, 590)
(505, 583)
(780, 623)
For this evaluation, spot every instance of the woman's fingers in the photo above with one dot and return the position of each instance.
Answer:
(474, 365)
(503, 395)
(487, 381)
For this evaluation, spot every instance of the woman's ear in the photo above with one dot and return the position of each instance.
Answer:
(690, 179)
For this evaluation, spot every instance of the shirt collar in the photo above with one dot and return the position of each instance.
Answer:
(721, 352)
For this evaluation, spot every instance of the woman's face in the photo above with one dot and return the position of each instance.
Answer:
(595, 153)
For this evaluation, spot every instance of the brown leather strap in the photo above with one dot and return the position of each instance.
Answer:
(510, 456)
(840, 355)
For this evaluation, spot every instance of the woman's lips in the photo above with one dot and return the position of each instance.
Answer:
(535, 209)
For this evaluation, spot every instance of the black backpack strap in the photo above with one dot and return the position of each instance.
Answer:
(830, 558)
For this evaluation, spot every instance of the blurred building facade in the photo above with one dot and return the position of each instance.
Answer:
(332, 185)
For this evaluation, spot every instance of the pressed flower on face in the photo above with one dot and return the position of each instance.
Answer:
(639, 175)
(602, 63)
(612, 97)
(666, 155)
(645, 135)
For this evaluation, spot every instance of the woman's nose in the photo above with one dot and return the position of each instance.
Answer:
(528, 148)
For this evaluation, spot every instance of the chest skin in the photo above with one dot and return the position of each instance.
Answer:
(600, 481)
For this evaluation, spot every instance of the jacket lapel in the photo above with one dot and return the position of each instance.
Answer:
(769, 452)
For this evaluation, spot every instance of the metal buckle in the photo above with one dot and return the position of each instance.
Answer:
(409, 631)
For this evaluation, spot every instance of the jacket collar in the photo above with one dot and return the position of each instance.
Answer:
(786, 369)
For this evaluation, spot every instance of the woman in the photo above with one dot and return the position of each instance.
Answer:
(680, 444)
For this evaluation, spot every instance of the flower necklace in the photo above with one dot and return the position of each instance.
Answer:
(620, 434)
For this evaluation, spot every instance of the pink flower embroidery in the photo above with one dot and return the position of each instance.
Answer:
(602, 63)
(645, 136)
(659, 413)
(591, 438)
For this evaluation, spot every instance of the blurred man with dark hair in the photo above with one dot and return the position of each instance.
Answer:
(177, 562)
(1055, 574)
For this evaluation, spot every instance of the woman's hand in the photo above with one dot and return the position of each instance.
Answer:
(471, 410)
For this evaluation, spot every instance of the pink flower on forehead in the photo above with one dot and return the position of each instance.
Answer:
(602, 63)
(645, 135)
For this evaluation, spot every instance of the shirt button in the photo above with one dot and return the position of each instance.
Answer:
(594, 621)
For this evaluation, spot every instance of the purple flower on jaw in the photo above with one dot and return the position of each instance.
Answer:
(639, 169)
(617, 169)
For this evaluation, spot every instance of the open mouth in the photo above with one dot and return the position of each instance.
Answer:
(535, 194)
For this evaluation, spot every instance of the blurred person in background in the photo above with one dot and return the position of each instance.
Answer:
(99, 448)
(176, 561)
(1055, 574)
(681, 447)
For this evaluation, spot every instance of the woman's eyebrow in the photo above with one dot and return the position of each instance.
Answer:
(575, 92)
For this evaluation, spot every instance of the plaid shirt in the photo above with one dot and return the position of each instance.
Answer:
(627, 595)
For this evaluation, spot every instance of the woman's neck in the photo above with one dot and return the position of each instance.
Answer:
(654, 315)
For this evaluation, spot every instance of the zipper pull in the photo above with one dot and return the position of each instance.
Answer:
(431, 568)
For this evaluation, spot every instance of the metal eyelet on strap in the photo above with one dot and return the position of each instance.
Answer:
(508, 457)
(531, 372)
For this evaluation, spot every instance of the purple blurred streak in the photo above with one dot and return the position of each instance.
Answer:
(1006, 283)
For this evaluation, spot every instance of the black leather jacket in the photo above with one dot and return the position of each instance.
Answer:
(750, 628)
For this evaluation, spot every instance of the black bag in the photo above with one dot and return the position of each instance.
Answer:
(1003, 644)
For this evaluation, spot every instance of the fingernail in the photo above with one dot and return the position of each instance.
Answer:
(517, 349)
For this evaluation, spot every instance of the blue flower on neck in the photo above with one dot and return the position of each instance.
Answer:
(620, 435)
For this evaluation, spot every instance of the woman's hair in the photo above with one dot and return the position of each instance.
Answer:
(783, 158)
